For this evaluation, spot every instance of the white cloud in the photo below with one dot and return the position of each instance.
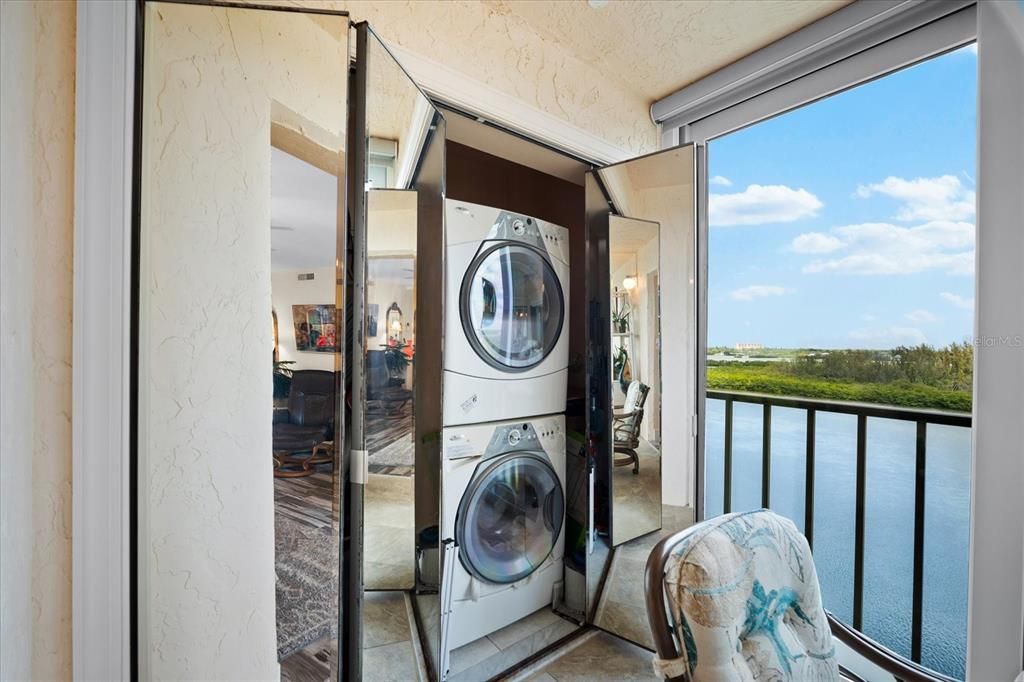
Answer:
(943, 198)
(721, 180)
(958, 301)
(921, 315)
(888, 337)
(887, 249)
(761, 205)
(758, 291)
(816, 242)
(868, 317)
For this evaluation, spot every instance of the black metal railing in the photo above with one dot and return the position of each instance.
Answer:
(922, 418)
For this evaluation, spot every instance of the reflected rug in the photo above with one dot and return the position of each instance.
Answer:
(306, 561)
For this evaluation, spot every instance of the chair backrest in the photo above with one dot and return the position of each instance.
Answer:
(311, 398)
(636, 396)
(377, 375)
(627, 431)
(743, 603)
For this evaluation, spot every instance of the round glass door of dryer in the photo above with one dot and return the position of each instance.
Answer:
(512, 306)
(510, 517)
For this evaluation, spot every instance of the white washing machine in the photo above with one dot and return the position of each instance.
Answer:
(502, 518)
(506, 348)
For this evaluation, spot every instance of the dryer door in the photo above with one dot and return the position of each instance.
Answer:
(512, 306)
(510, 518)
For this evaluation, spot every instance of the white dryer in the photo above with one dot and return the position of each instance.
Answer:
(506, 349)
(502, 518)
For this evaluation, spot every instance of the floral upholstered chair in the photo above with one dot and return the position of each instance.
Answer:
(737, 598)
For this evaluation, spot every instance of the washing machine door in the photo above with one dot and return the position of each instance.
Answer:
(512, 306)
(510, 517)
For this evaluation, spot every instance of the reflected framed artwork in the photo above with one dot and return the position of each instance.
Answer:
(315, 328)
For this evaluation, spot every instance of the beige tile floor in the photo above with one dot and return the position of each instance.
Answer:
(596, 656)
(389, 650)
(636, 507)
(488, 656)
(389, 534)
(621, 609)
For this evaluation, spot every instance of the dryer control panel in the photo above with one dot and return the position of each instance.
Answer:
(491, 440)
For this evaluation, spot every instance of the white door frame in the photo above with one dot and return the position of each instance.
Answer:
(995, 630)
(100, 541)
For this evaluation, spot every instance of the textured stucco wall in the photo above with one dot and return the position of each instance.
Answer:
(491, 45)
(207, 608)
(38, 191)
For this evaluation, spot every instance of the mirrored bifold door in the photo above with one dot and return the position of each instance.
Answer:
(396, 188)
(240, 216)
(641, 347)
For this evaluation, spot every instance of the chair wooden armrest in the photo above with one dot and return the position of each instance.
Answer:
(623, 414)
(889, 661)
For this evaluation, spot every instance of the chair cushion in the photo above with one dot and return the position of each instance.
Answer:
(310, 409)
(298, 438)
(745, 600)
(632, 396)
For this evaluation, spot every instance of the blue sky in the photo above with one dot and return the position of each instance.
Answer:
(849, 223)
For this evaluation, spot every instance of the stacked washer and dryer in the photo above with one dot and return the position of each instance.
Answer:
(503, 442)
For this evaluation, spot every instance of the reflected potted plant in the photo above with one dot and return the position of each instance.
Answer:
(620, 321)
(620, 367)
(620, 313)
(397, 355)
(282, 378)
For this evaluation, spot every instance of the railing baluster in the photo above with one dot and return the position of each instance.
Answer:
(917, 617)
(809, 481)
(727, 493)
(922, 418)
(766, 456)
(858, 541)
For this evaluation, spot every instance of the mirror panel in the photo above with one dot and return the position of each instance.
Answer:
(389, 516)
(240, 198)
(396, 495)
(635, 377)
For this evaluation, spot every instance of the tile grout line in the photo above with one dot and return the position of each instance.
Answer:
(540, 664)
(414, 638)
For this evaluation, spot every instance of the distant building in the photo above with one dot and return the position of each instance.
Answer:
(748, 346)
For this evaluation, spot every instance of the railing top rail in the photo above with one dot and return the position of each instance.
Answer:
(914, 414)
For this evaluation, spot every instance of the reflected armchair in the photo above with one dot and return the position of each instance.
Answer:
(626, 426)
(384, 393)
(306, 422)
(737, 597)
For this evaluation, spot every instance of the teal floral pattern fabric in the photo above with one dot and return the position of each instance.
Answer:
(746, 604)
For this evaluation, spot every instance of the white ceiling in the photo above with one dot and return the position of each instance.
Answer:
(303, 214)
(596, 68)
(655, 47)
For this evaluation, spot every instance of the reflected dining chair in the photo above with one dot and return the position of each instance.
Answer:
(626, 426)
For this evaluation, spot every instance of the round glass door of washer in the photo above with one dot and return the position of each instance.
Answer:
(510, 517)
(512, 306)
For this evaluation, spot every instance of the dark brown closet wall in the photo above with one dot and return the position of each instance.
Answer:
(480, 178)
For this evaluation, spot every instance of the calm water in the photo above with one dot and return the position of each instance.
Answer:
(889, 520)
